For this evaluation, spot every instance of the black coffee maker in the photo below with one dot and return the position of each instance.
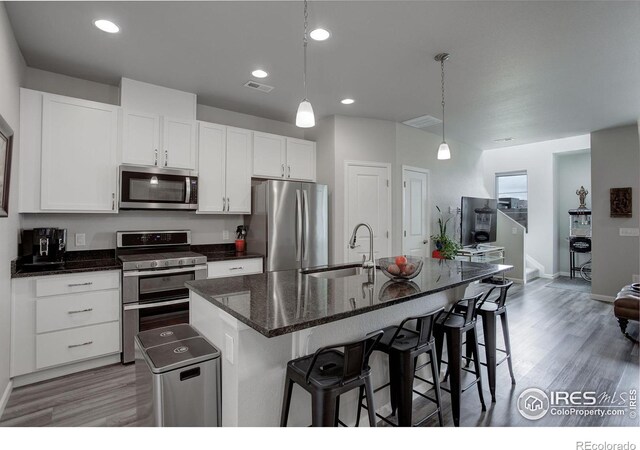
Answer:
(43, 246)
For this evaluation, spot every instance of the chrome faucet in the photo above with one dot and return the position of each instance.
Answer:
(352, 244)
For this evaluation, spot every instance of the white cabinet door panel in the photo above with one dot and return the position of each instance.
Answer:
(301, 159)
(232, 268)
(79, 155)
(238, 162)
(269, 155)
(179, 143)
(140, 139)
(212, 143)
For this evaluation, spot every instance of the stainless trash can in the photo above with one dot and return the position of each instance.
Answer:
(177, 378)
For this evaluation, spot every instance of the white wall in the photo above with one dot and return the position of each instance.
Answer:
(615, 159)
(538, 160)
(99, 228)
(572, 171)
(12, 67)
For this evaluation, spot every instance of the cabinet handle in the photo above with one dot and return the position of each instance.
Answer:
(80, 345)
(283, 171)
(80, 311)
(113, 201)
(166, 157)
(236, 268)
(224, 204)
(289, 172)
(228, 204)
(88, 283)
(155, 163)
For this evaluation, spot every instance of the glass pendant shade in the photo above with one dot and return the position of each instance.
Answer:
(443, 151)
(305, 117)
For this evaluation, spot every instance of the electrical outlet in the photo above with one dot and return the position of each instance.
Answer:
(225, 235)
(228, 348)
(80, 240)
(514, 230)
(629, 231)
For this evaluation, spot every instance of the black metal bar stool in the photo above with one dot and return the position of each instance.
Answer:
(490, 310)
(329, 373)
(459, 322)
(403, 346)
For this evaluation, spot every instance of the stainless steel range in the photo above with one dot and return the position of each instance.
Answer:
(155, 266)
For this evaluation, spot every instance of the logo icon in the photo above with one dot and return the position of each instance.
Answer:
(166, 333)
(533, 404)
(181, 349)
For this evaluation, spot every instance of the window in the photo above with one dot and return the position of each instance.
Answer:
(511, 190)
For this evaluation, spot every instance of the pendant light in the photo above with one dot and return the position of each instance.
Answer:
(305, 117)
(443, 150)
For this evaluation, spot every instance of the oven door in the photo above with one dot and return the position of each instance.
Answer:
(151, 188)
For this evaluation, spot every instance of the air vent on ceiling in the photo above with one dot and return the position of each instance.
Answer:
(258, 86)
(422, 122)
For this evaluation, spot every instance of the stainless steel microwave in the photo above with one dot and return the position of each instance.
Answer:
(154, 188)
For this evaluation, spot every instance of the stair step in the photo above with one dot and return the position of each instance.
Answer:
(531, 273)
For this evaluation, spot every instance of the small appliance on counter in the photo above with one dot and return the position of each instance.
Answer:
(43, 247)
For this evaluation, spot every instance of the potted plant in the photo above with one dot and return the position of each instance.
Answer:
(446, 248)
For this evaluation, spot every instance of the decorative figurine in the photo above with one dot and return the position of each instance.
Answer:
(582, 193)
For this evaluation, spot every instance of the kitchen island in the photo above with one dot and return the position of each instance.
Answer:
(260, 322)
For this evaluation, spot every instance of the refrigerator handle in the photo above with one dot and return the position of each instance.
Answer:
(298, 225)
(305, 208)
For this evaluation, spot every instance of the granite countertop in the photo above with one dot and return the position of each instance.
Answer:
(96, 260)
(222, 252)
(74, 262)
(277, 303)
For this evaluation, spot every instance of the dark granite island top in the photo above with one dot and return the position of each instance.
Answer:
(277, 303)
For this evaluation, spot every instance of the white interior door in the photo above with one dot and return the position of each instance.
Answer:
(415, 214)
(368, 200)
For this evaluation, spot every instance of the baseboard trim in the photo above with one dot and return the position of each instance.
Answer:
(516, 280)
(603, 298)
(60, 371)
(550, 276)
(5, 397)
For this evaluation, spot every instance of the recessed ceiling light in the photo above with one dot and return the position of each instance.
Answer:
(347, 101)
(107, 26)
(259, 73)
(319, 34)
(506, 139)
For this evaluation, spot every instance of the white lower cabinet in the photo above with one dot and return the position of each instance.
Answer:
(235, 267)
(62, 319)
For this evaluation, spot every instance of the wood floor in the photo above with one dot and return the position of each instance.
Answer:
(561, 339)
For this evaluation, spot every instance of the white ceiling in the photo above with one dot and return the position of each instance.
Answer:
(531, 70)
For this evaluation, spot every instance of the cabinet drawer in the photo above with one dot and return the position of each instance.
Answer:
(69, 284)
(66, 346)
(77, 310)
(218, 269)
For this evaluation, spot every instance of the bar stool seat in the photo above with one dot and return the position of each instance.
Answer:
(457, 323)
(329, 373)
(403, 347)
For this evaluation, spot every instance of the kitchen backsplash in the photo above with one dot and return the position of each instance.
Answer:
(100, 229)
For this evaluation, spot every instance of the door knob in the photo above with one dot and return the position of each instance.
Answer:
(426, 241)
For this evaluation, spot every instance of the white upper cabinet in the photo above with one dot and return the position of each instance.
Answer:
(141, 139)
(238, 163)
(283, 158)
(212, 149)
(79, 155)
(269, 155)
(224, 169)
(301, 159)
(153, 140)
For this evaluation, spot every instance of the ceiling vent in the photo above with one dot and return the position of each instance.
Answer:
(258, 86)
(422, 122)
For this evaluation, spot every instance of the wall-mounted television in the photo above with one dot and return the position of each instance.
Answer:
(479, 221)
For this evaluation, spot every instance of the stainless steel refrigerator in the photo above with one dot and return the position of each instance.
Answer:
(289, 224)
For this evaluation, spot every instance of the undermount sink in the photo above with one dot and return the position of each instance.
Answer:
(338, 272)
